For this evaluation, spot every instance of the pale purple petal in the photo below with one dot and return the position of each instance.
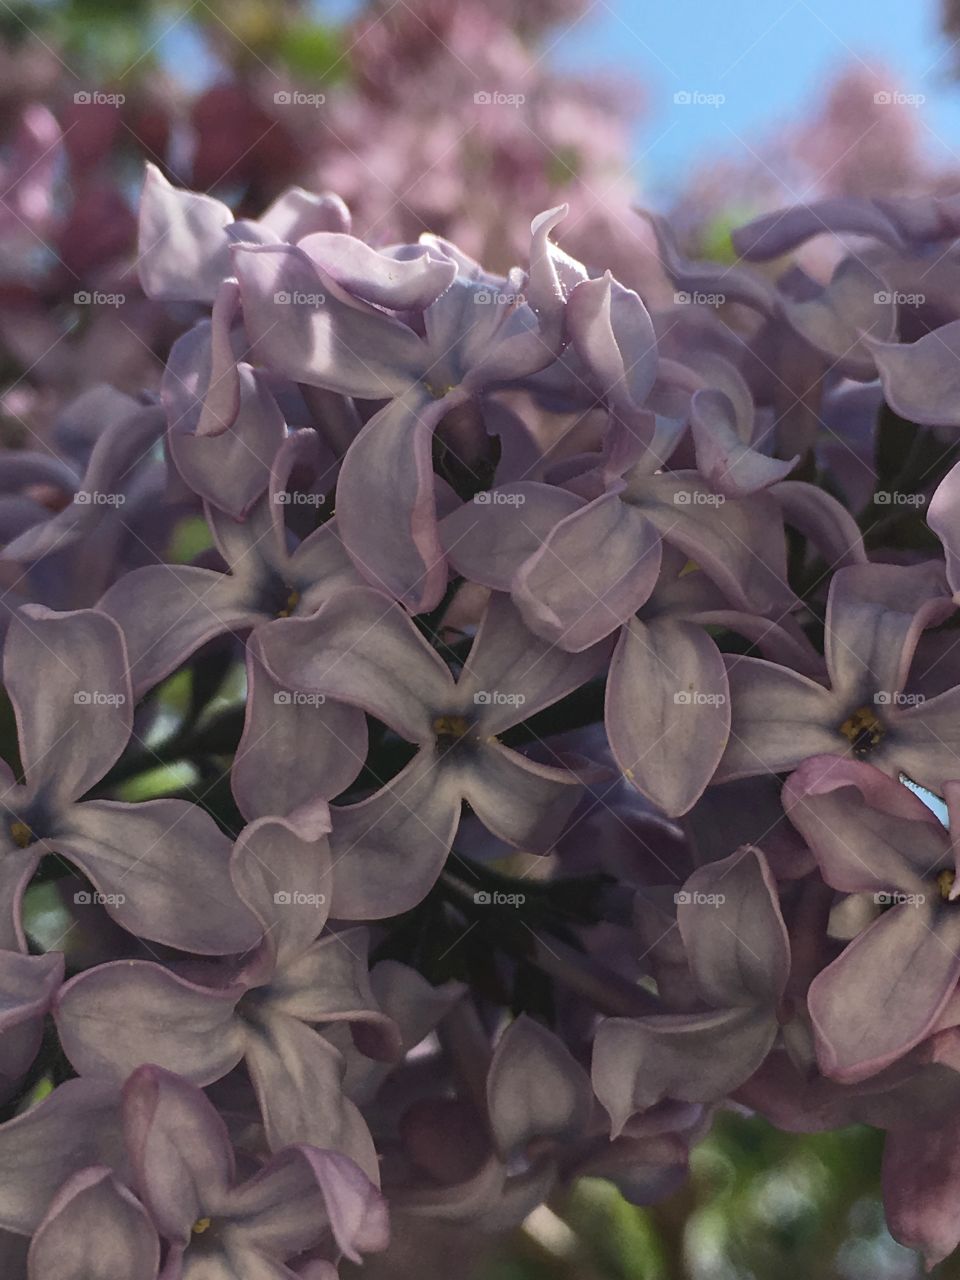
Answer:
(399, 284)
(182, 242)
(362, 648)
(179, 1148)
(389, 849)
(778, 719)
(590, 574)
(167, 611)
(667, 710)
(733, 931)
(94, 1230)
(163, 866)
(294, 748)
(611, 331)
(694, 1057)
(921, 380)
(522, 802)
(386, 501)
(117, 1017)
(71, 736)
(527, 672)
(726, 461)
(488, 539)
(886, 991)
(535, 1088)
(303, 325)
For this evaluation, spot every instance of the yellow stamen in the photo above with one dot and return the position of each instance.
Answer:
(21, 834)
(863, 730)
(453, 727)
(945, 882)
(200, 1226)
(293, 599)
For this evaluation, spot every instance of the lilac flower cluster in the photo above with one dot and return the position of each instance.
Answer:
(556, 700)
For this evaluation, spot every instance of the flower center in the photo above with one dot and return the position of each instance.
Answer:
(863, 730)
(21, 835)
(293, 599)
(945, 883)
(200, 1226)
(449, 730)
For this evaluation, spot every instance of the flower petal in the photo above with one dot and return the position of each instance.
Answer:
(304, 325)
(535, 1088)
(884, 994)
(293, 749)
(399, 284)
(166, 612)
(71, 736)
(362, 648)
(167, 865)
(94, 1230)
(590, 574)
(390, 848)
(118, 1016)
(667, 710)
(778, 719)
(181, 1155)
(733, 932)
(695, 1057)
(386, 502)
(525, 803)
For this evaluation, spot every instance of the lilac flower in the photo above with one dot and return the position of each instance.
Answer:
(739, 957)
(167, 611)
(390, 847)
(886, 991)
(469, 337)
(875, 617)
(160, 866)
(303, 1200)
(121, 1015)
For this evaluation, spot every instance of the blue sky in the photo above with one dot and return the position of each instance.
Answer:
(768, 58)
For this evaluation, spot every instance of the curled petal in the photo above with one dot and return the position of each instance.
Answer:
(535, 1088)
